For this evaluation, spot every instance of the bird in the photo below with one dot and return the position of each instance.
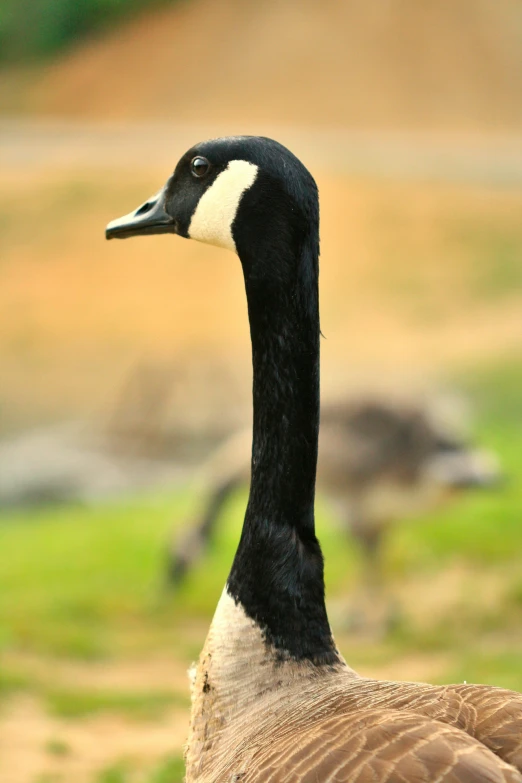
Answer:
(381, 459)
(272, 698)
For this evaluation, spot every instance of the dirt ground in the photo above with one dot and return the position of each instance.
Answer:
(27, 734)
(403, 295)
(93, 744)
(383, 63)
(30, 735)
(27, 731)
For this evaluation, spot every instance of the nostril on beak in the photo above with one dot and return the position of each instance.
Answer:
(144, 208)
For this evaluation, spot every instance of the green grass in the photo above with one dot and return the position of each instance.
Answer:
(78, 579)
(12, 682)
(484, 527)
(57, 747)
(86, 584)
(169, 770)
(113, 774)
(140, 706)
(56, 23)
(501, 669)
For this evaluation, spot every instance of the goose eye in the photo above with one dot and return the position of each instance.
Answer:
(199, 166)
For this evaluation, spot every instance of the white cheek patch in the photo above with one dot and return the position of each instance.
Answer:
(216, 210)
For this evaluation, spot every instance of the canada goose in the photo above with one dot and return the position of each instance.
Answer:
(272, 698)
(379, 460)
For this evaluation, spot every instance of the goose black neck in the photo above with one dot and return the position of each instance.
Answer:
(285, 358)
(277, 573)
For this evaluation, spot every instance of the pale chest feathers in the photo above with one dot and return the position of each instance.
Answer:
(241, 686)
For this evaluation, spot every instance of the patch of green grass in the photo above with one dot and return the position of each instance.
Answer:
(170, 770)
(496, 391)
(57, 747)
(483, 526)
(79, 580)
(142, 706)
(489, 668)
(114, 774)
(514, 594)
(57, 24)
(89, 582)
(12, 682)
(481, 529)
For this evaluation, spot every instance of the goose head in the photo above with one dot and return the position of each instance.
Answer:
(455, 466)
(234, 192)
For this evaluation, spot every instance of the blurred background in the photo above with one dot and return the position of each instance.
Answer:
(123, 366)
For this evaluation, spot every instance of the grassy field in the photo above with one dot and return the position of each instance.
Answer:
(92, 645)
(415, 279)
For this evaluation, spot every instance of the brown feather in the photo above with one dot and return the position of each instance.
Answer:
(497, 719)
(376, 745)
(255, 718)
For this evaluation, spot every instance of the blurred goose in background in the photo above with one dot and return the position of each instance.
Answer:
(379, 462)
(272, 697)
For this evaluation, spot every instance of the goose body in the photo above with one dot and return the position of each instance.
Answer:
(380, 460)
(272, 698)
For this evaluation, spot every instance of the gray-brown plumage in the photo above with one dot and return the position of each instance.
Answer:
(272, 698)
(385, 746)
(259, 718)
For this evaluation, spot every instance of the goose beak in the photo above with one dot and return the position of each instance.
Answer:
(469, 470)
(150, 218)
